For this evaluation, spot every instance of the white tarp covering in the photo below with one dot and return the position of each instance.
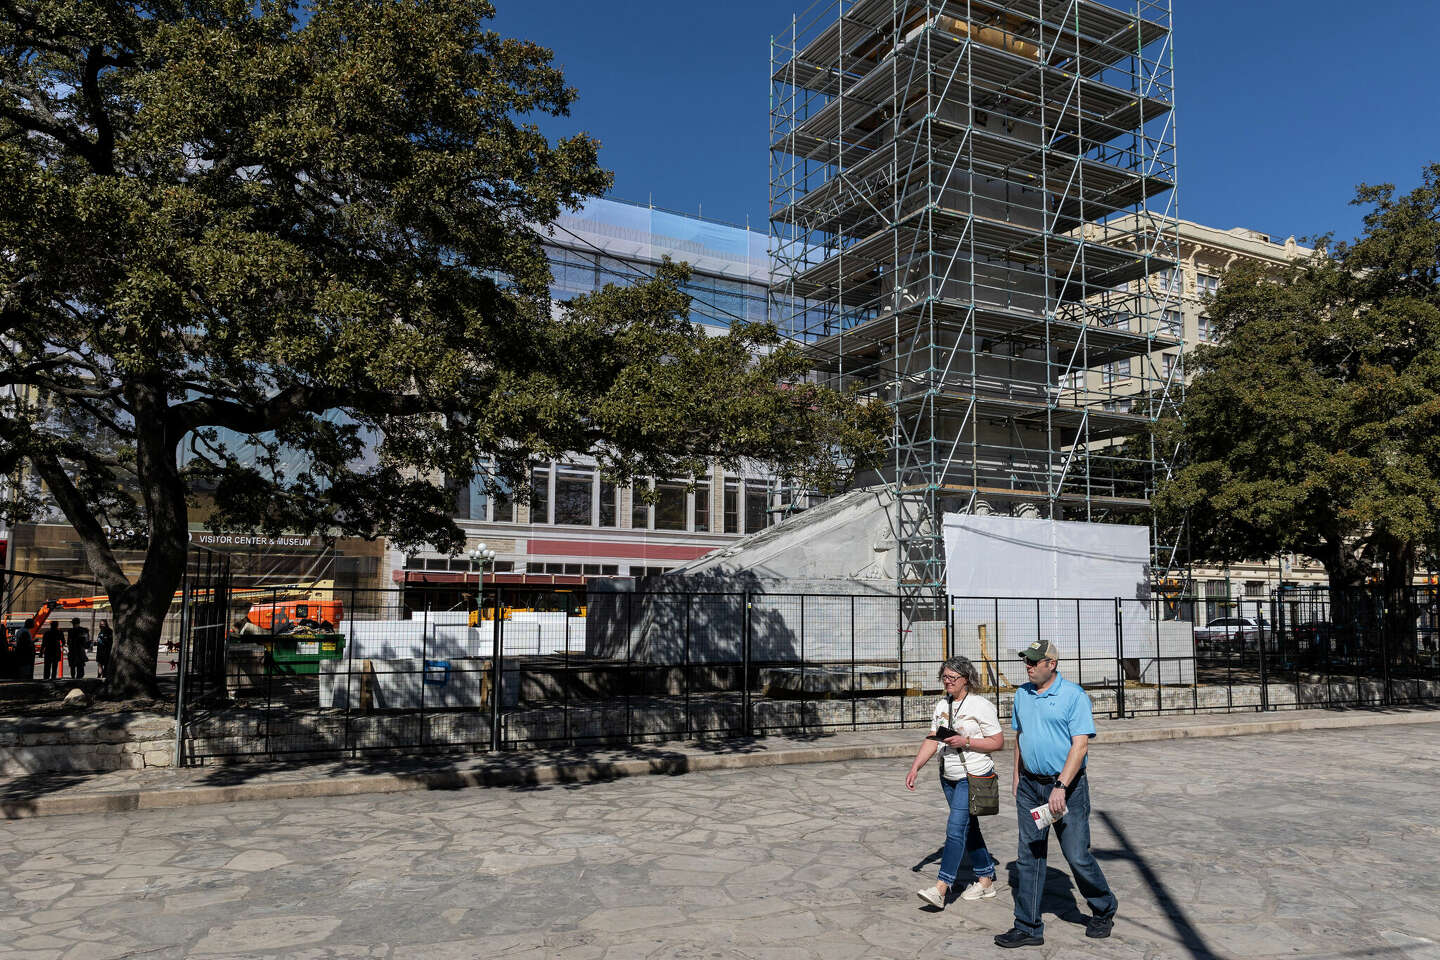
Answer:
(1014, 579)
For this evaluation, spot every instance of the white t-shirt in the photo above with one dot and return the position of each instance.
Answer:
(973, 716)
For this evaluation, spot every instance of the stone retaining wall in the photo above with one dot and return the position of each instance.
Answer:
(86, 743)
(137, 741)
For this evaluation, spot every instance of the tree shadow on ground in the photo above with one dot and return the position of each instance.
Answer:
(568, 766)
(18, 795)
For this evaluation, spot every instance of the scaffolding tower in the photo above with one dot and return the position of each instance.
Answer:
(973, 220)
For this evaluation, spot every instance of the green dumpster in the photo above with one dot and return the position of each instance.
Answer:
(301, 653)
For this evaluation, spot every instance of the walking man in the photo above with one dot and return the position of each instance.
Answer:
(1055, 724)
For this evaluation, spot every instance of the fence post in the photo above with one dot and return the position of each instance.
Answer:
(803, 701)
(565, 671)
(180, 672)
(854, 694)
(1386, 698)
(424, 665)
(745, 665)
(497, 650)
(350, 689)
(1264, 660)
(1119, 663)
(685, 667)
(629, 662)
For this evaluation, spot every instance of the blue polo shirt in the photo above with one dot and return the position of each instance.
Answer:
(1047, 720)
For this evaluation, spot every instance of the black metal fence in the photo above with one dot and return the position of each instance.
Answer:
(347, 673)
(47, 602)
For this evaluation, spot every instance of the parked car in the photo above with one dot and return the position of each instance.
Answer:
(1313, 632)
(1224, 632)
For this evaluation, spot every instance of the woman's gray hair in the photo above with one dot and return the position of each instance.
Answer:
(964, 668)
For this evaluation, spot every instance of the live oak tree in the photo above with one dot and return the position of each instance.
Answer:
(314, 230)
(1313, 426)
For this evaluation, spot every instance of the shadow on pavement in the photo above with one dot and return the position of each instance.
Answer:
(576, 765)
(1057, 897)
(18, 794)
(1190, 937)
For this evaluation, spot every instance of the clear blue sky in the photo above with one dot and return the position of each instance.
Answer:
(1283, 105)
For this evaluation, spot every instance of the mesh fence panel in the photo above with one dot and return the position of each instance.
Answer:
(399, 674)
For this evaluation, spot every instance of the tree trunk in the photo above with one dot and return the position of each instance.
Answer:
(139, 619)
(1402, 613)
(140, 610)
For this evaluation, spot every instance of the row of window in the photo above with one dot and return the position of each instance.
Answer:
(1173, 281)
(451, 564)
(568, 495)
(714, 300)
(1172, 322)
(458, 565)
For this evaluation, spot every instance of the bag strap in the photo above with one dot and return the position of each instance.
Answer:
(964, 767)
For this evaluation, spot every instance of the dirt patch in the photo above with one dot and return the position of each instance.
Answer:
(32, 699)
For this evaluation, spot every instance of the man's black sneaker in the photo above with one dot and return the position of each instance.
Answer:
(1098, 928)
(1015, 937)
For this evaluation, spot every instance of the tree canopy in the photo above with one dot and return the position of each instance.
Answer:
(316, 229)
(1313, 426)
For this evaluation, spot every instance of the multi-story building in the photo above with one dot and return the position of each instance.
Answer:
(1179, 313)
(577, 525)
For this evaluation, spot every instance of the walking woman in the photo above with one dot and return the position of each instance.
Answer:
(977, 735)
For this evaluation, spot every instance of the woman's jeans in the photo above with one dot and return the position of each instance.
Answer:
(962, 832)
(1073, 830)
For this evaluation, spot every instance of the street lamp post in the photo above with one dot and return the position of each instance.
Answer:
(482, 555)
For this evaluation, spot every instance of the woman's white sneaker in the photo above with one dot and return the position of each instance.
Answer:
(934, 897)
(977, 891)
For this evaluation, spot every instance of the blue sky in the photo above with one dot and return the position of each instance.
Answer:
(1283, 105)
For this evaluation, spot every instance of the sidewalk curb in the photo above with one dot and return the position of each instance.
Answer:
(669, 764)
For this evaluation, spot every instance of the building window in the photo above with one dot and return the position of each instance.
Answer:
(503, 509)
(670, 507)
(639, 511)
(1172, 324)
(1170, 281)
(609, 498)
(1254, 588)
(574, 495)
(1167, 364)
(702, 507)
(757, 506)
(1203, 328)
(1117, 406)
(732, 506)
(540, 495)
(1117, 370)
(1207, 284)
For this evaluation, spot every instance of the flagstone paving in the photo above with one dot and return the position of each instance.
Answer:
(1316, 844)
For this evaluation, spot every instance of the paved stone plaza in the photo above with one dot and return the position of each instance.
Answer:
(1239, 847)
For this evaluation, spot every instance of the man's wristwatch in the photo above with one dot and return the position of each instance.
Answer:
(1060, 784)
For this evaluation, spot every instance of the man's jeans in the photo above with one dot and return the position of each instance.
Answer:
(962, 832)
(1074, 832)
